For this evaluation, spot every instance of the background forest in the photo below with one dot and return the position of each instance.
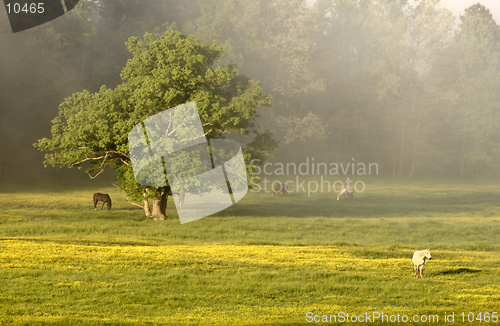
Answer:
(394, 82)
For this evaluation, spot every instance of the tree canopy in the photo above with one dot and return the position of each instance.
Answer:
(392, 82)
(164, 72)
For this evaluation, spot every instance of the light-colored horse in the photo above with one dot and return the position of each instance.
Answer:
(181, 199)
(347, 193)
(279, 187)
(419, 258)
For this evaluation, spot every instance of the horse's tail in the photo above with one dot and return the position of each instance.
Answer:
(109, 203)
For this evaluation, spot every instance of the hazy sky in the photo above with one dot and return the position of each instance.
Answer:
(458, 6)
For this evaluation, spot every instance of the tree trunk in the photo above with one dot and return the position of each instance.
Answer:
(401, 156)
(163, 203)
(147, 211)
(462, 159)
(157, 213)
(464, 148)
(415, 151)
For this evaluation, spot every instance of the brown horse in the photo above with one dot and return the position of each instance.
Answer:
(104, 198)
(279, 187)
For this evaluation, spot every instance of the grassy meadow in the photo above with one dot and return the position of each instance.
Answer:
(263, 261)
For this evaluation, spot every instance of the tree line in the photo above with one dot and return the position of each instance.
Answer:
(396, 82)
(393, 82)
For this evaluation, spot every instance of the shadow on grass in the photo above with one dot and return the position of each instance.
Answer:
(460, 270)
(377, 254)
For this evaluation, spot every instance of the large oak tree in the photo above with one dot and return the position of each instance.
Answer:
(163, 73)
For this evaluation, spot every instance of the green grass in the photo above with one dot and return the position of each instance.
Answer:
(266, 260)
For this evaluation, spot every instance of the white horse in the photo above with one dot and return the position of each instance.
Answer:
(181, 199)
(418, 260)
(347, 193)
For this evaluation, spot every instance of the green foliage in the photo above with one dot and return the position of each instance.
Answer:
(388, 79)
(273, 40)
(310, 126)
(163, 73)
(398, 88)
(35, 73)
(257, 152)
(477, 65)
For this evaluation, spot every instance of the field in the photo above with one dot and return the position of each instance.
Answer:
(265, 260)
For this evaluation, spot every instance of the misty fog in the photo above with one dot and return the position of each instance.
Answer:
(391, 82)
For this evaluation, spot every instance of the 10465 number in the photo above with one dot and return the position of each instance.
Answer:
(32, 8)
(484, 317)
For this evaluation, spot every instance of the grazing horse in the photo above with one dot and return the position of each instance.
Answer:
(104, 198)
(419, 258)
(280, 187)
(347, 193)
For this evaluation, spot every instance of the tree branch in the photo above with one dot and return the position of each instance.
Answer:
(106, 155)
(95, 176)
(127, 197)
